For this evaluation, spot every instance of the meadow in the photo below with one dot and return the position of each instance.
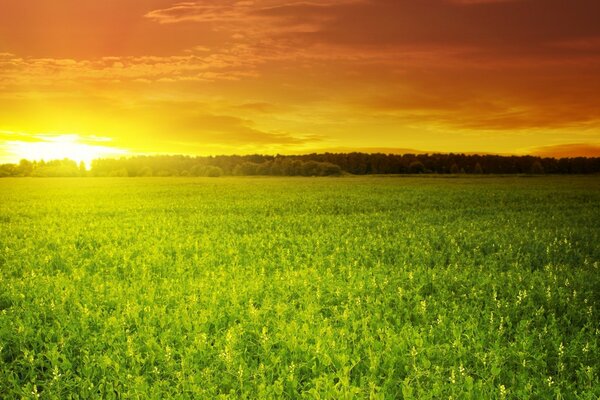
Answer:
(320, 288)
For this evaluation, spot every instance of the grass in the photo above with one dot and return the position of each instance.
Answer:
(371, 287)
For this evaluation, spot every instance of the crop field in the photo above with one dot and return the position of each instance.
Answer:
(320, 288)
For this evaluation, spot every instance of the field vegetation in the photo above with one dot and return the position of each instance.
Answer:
(351, 287)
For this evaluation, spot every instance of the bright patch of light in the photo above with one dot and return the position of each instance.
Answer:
(58, 147)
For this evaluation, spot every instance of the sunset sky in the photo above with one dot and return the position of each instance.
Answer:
(89, 78)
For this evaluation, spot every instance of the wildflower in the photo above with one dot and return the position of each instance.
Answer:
(264, 337)
(413, 352)
(502, 391)
(55, 374)
(561, 350)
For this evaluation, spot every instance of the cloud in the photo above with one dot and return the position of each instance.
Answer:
(400, 33)
(260, 107)
(226, 64)
(230, 130)
(568, 150)
(590, 43)
(471, 2)
(394, 34)
(212, 11)
(252, 19)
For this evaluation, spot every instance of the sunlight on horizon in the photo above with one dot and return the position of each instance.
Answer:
(53, 147)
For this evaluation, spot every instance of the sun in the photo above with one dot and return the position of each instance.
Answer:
(57, 147)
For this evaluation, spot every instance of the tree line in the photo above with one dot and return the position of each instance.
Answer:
(326, 164)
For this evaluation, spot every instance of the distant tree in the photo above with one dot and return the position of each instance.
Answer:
(198, 170)
(7, 170)
(25, 168)
(167, 172)
(121, 172)
(416, 167)
(82, 169)
(311, 168)
(277, 166)
(329, 169)
(145, 171)
(477, 169)
(213, 172)
(454, 169)
(537, 168)
(246, 168)
(56, 168)
(264, 168)
(295, 168)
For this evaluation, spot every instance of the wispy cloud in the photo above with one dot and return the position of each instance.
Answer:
(567, 150)
(216, 11)
(233, 130)
(222, 65)
(233, 10)
(471, 2)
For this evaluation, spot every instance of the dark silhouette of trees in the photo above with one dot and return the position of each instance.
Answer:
(537, 168)
(56, 168)
(206, 170)
(246, 168)
(416, 167)
(324, 164)
(25, 168)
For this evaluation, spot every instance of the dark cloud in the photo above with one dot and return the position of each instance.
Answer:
(568, 150)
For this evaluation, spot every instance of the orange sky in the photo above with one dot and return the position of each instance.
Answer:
(114, 77)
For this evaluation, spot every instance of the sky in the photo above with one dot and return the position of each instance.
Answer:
(100, 78)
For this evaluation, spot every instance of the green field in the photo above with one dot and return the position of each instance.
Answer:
(331, 288)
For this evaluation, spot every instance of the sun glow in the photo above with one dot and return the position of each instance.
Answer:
(55, 147)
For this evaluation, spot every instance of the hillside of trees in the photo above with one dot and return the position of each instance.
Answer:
(326, 164)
